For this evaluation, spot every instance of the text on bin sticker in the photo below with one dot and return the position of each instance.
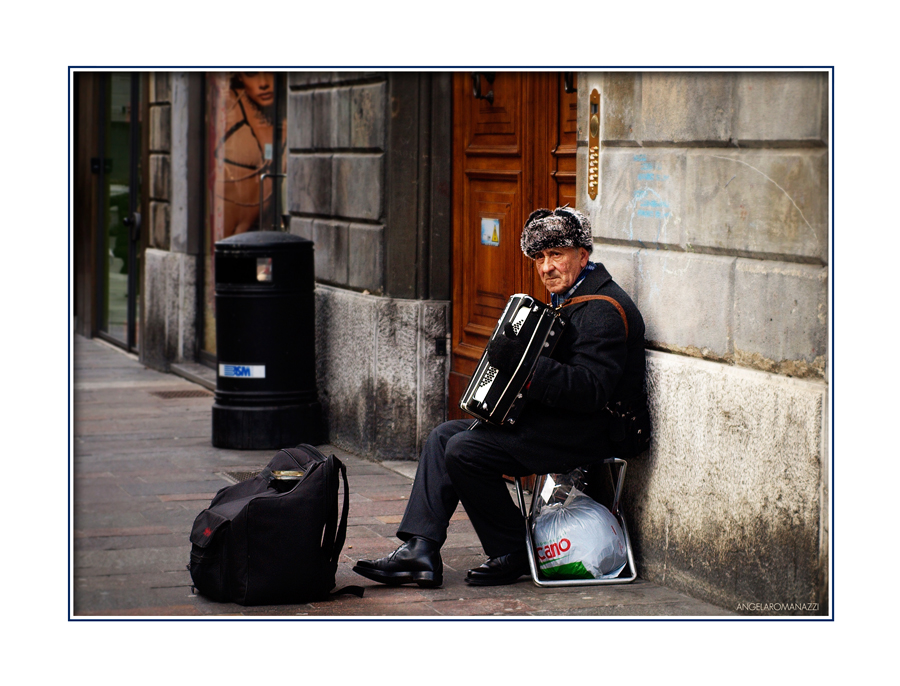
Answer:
(243, 371)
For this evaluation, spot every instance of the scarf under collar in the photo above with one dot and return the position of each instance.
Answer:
(558, 300)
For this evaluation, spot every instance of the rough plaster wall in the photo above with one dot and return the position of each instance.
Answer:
(169, 333)
(396, 378)
(381, 384)
(345, 358)
(727, 503)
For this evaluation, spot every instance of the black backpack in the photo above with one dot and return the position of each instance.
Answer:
(274, 538)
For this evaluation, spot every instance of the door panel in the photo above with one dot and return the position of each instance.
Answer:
(493, 128)
(493, 267)
(510, 156)
(119, 219)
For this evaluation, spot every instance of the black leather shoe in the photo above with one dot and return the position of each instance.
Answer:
(416, 561)
(499, 571)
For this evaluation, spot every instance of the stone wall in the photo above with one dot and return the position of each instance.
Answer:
(712, 213)
(729, 505)
(382, 382)
(335, 171)
(160, 184)
(169, 318)
(358, 189)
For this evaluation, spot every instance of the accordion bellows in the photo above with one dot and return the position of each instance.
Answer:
(494, 396)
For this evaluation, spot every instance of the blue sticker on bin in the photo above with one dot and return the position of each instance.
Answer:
(243, 371)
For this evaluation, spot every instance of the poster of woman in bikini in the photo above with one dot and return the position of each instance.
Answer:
(244, 107)
(245, 114)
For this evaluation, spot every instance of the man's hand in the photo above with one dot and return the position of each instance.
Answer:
(506, 350)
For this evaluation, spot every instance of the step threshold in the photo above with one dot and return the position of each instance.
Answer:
(196, 372)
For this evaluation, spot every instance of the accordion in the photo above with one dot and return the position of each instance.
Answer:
(495, 396)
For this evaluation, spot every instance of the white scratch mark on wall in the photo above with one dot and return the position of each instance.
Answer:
(772, 181)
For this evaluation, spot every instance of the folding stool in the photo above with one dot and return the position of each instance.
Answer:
(618, 483)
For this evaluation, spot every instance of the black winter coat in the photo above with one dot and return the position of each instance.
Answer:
(563, 425)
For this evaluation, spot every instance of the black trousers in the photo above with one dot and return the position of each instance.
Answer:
(456, 466)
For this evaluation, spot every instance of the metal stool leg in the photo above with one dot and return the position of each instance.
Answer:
(528, 514)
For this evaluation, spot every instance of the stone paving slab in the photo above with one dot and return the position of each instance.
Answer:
(143, 468)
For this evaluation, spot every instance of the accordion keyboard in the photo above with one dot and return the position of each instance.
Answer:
(490, 373)
(521, 316)
(485, 385)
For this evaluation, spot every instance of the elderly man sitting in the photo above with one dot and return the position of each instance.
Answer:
(564, 424)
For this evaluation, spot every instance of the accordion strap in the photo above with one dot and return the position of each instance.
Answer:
(585, 298)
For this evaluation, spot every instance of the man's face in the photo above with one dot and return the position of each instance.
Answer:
(559, 267)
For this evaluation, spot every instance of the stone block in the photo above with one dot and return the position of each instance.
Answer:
(340, 112)
(683, 107)
(345, 366)
(367, 116)
(159, 224)
(728, 505)
(640, 197)
(299, 117)
(686, 301)
(181, 306)
(381, 380)
(757, 201)
(303, 227)
(161, 128)
(351, 76)
(331, 119)
(322, 121)
(178, 162)
(434, 369)
(160, 173)
(621, 263)
(366, 250)
(309, 183)
(331, 251)
(168, 326)
(358, 186)
(160, 89)
(620, 100)
(781, 107)
(301, 79)
(396, 378)
(153, 316)
(781, 317)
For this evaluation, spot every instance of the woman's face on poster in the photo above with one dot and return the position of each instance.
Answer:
(260, 86)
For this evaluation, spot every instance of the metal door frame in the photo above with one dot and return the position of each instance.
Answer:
(134, 213)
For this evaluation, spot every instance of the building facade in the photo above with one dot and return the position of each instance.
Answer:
(708, 193)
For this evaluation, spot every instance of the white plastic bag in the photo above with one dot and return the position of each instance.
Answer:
(575, 537)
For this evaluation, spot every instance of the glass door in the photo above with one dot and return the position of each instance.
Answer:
(119, 227)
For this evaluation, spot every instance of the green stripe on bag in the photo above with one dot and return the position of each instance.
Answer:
(571, 570)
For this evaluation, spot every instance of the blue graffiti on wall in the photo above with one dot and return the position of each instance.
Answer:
(647, 200)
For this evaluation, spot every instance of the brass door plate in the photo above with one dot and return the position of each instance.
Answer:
(594, 145)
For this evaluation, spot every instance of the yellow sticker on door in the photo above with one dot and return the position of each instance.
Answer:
(490, 231)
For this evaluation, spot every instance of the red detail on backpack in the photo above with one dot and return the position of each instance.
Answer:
(207, 531)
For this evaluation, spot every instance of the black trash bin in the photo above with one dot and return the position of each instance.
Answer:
(265, 343)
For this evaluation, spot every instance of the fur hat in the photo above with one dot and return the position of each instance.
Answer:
(561, 228)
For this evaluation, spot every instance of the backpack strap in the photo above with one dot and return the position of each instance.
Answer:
(585, 298)
(335, 531)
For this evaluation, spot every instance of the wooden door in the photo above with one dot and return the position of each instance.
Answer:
(511, 155)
